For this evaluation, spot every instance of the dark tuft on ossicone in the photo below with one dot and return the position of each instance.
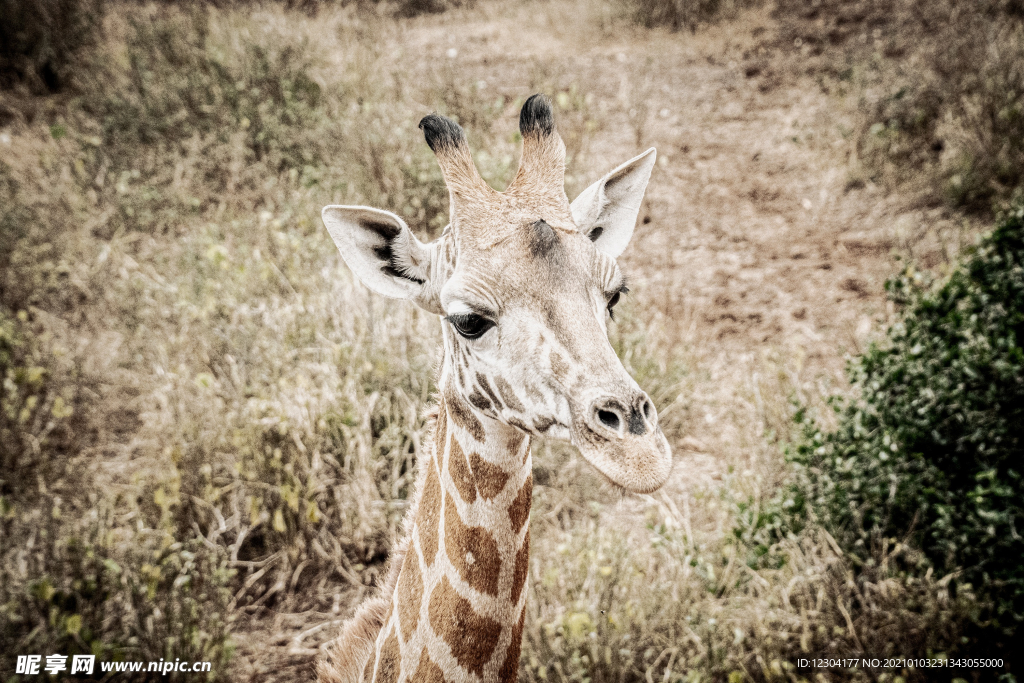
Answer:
(536, 116)
(542, 239)
(441, 132)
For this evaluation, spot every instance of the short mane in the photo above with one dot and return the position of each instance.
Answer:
(343, 659)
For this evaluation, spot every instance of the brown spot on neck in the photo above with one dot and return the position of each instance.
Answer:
(428, 517)
(458, 470)
(520, 569)
(428, 671)
(460, 540)
(389, 661)
(515, 441)
(509, 672)
(462, 416)
(409, 595)
(471, 636)
(490, 479)
(519, 510)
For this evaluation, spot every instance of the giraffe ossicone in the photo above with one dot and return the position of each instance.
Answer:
(525, 282)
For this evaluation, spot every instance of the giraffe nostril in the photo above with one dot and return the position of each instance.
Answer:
(609, 419)
(648, 410)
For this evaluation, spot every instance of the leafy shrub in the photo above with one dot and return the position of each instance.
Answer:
(932, 449)
(42, 41)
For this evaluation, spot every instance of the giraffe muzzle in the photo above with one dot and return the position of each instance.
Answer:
(620, 436)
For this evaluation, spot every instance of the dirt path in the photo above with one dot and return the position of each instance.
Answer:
(753, 253)
(764, 260)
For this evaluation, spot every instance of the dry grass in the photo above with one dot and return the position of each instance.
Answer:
(241, 396)
(938, 86)
(678, 15)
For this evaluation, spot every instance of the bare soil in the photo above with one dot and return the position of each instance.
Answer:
(759, 251)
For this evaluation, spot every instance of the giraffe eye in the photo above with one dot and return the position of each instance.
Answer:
(470, 325)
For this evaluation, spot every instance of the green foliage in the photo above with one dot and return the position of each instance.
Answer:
(42, 42)
(932, 448)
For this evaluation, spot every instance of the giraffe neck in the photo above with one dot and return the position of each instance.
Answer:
(458, 609)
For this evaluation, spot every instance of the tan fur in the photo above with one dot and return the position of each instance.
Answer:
(541, 170)
(462, 177)
(478, 641)
(482, 217)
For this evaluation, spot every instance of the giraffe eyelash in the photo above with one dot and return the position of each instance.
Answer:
(614, 297)
(470, 325)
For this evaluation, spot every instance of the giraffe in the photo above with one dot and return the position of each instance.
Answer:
(525, 283)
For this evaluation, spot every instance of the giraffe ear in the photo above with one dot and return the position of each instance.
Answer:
(381, 250)
(606, 211)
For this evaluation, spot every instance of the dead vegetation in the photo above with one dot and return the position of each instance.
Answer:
(939, 89)
(227, 423)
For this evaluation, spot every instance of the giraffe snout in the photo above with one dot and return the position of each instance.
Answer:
(613, 418)
(619, 435)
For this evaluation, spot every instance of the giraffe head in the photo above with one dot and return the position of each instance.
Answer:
(526, 283)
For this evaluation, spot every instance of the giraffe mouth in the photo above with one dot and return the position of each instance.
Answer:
(638, 465)
(624, 442)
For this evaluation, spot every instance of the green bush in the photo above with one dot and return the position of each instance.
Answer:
(42, 41)
(932, 448)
